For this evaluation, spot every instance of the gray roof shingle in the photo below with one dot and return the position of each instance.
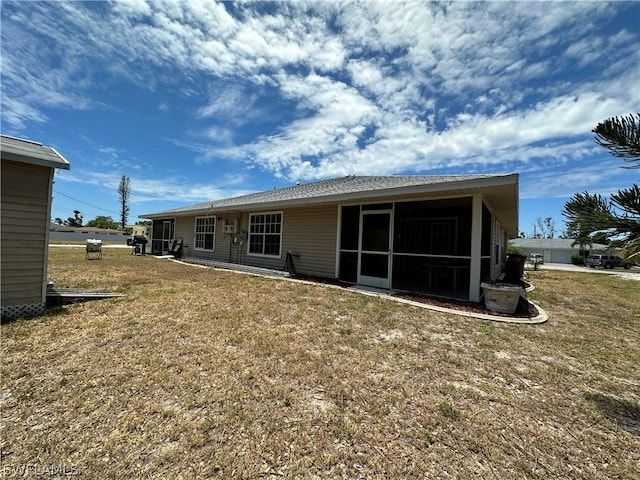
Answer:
(332, 190)
(27, 151)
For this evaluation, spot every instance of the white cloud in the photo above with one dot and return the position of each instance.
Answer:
(132, 8)
(325, 143)
(144, 189)
(232, 101)
(602, 176)
(17, 113)
(376, 87)
(220, 135)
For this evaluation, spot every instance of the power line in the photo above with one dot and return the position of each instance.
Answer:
(88, 204)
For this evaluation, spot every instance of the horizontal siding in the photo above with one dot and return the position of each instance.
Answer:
(225, 249)
(30, 230)
(21, 294)
(23, 223)
(21, 247)
(21, 282)
(184, 228)
(17, 206)
(310, 232)
(21, 265)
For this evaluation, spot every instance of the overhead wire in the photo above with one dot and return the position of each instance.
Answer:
(88, 204)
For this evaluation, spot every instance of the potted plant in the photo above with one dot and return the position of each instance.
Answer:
(501, 297)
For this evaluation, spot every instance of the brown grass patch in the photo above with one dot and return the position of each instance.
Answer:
(202, 373)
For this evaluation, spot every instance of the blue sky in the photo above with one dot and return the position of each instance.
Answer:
(197, 100)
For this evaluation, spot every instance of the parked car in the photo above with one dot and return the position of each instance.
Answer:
(608, 261)
(536, 258)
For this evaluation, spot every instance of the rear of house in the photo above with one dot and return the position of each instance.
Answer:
(437, 235)
(27, 170)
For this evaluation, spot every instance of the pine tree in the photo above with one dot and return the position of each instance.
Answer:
(588, 214)
(621, 136)
(124, 192)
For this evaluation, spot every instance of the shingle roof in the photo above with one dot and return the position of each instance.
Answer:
(336, 189)
(27, 151)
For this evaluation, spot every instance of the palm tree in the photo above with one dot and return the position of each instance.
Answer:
(582, 241)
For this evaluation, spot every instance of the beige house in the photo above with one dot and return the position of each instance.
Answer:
(437, 235)
(27, 170)
(140, 231)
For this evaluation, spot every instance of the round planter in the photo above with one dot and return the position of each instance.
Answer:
(501, 297)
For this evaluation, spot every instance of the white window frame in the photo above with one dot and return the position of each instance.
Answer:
(196, 233)
(264, 234)
(498, 243)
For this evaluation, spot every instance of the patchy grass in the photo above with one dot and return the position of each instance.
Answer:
(202, 373)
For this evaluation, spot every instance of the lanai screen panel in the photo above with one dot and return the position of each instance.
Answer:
(432, 247)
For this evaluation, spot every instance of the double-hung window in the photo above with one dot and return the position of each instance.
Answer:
(265, 234)
(205, 233)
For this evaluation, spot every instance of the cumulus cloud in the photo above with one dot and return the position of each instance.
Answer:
(369, 88)
(144, 189)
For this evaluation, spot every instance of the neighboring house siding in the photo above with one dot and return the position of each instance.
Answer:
(24, 223)
(554, 250)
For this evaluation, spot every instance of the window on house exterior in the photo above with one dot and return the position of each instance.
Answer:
(205, 233)
(265, 234)
(499, 243)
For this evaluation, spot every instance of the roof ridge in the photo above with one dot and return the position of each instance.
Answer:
(338, 187)
(25, 140)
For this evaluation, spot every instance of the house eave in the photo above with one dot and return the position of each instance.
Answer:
(63, 163)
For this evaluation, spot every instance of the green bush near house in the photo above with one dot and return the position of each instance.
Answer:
(511, 248)
(577, 259)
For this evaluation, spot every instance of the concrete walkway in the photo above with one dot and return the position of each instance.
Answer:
(632, 274)
(83, 245)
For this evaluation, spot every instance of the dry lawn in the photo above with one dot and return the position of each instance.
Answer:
(202, 373)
